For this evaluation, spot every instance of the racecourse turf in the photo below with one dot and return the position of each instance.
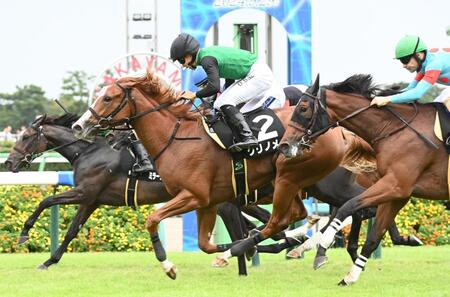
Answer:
(402, 271)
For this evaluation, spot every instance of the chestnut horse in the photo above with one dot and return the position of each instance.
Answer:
(410, 158)
(195, 170)
(100, 174)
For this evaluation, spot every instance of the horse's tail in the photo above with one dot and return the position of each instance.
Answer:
(359, 156)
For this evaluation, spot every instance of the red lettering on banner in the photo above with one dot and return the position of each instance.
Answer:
(151, 62)
(119, 70)
(135, 65)
(174, 78)
(162, 68)
(108, 79)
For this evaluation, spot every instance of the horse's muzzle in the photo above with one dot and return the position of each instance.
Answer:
(8, 165)
(87, 133)
(289, 150)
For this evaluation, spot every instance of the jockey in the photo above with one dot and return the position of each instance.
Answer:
(431, 66)
(253, 79)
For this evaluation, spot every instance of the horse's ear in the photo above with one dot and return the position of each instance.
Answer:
(150, 73)
(315, 87)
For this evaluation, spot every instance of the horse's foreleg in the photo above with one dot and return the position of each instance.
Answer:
(321, 258)
(284, 195)
(384, 218)
(83, 213)
(73, 196)
(283, 200)
(184, 202)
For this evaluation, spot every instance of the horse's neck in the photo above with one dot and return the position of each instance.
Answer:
(368, 124)
(58, 136)
(154, 129)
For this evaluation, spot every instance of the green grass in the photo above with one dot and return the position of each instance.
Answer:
(402, 271)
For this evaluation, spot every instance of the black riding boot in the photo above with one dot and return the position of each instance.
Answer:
(143, 163)
(239, 127)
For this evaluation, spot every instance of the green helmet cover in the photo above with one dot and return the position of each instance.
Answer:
(407, 44)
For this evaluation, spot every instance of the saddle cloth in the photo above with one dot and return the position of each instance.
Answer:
(131, 186)
(268, 127)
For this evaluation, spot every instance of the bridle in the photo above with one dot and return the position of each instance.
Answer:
(107, 122)
(29, 157)
(318, 107)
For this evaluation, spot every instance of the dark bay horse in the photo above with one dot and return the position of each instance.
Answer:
(195, 170)
(100, 174)
(410, 158)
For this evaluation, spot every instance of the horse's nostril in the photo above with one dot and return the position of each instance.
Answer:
(77, 127)
(8, 164)
(283, 148)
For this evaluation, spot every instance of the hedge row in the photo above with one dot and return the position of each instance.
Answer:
(108, 228)
(122, 229)
(427, 219)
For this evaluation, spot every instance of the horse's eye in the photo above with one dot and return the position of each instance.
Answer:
(107, 99)
(303, 109)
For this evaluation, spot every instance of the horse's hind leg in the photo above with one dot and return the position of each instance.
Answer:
(397, 239)
(387, 189)
(384, 218)
(69, 197)
(83, 213)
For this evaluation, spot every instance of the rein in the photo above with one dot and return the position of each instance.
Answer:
(309, 135)
(105, 122)
(421, 136)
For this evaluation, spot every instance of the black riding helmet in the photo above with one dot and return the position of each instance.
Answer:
(183, 45)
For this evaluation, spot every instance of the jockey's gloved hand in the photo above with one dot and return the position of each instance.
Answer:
(188, 95)
(380, 101)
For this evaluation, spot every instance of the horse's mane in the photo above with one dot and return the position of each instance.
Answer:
(66, 120)
(362, 84)
(159, 90)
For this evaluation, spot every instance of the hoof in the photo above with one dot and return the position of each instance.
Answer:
(414, 241)
(342, 283)
(42, 267)
(219, 263)
(172, 273)
(313, 219)
(22, 239)
(294, 254)
(250, 253)
(319, 262)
